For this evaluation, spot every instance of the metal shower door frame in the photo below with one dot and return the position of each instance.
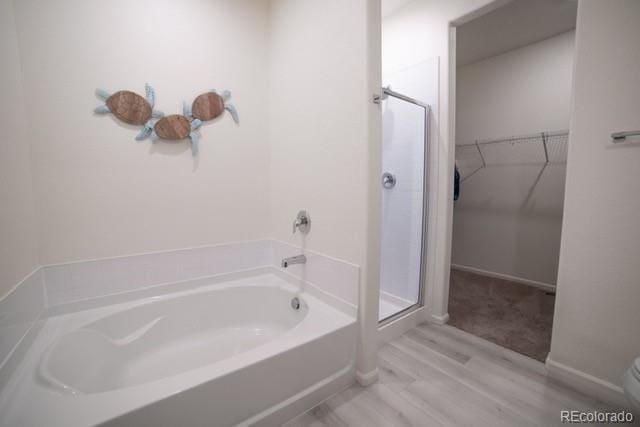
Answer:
(387, 92)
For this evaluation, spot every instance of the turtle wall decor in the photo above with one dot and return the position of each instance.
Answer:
(133, 109)
(177, 127)
(210, 105)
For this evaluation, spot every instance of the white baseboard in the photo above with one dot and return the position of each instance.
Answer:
(366, 379)
(586, 383)
(541, 285)
(439, 320)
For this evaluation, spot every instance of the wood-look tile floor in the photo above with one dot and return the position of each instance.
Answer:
(441, 376)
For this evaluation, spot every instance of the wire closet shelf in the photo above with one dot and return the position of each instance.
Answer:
(541, 148)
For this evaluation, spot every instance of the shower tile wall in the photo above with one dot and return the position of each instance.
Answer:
(403, 156)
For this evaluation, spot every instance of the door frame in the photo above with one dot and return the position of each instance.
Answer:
(439, 295)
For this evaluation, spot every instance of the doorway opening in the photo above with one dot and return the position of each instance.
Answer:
(513, 94)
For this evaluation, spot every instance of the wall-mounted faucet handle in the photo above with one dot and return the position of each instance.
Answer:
(302, 222)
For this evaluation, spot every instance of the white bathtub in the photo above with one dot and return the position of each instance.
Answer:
(225, 354)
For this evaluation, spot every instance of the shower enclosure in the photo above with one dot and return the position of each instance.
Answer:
(404, 182)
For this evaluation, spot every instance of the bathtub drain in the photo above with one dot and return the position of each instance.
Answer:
(295, 303)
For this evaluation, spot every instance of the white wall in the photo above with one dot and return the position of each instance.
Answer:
(508, 218)
(103, 194)
(596, 317)
(523, 91)
(413, 34)
(319, 135)
(18, 228)
(317, 123)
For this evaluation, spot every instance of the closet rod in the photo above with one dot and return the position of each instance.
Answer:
(534, 137)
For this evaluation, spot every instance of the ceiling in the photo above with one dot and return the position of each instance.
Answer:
(517, 24)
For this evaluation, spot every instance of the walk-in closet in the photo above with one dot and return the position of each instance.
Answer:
(513, 95)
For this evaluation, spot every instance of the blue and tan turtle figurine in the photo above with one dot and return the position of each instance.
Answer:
(176, 127)
(211, 105)
(131, 108)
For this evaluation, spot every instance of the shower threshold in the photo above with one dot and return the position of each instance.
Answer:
(391, 305)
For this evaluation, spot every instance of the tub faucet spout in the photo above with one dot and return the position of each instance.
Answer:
(298, 259)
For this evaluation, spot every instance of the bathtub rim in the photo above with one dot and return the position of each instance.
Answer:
(308, 299)
(193, 284)
(44, 376)
(43, 337)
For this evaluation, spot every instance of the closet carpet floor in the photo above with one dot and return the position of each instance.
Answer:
(510, 314)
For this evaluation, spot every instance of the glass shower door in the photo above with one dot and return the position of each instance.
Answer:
(404, 159)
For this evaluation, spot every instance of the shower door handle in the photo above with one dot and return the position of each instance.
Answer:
(388, 180)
